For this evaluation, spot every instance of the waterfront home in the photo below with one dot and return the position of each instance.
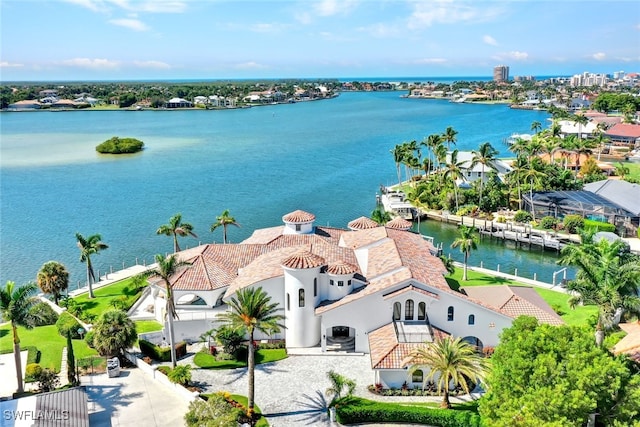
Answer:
(475, 172)
(569, 127)
(349, 290)
(624, 134)
(178, 103)
(25, 105)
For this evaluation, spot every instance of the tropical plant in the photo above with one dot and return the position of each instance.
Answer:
(608, 276)
(71, 363)
(535, 179)
(448, 264)
(224, 220)
(339, 385)
(536, 126)
(216, 411)
(467, 241)
(176, 228)
(181, 374)
(53, 278)
(249, 311)
(229, 338)
(449, 136)
(90, 246)
(380, 215)
(453, 172)
(621, 170)
(485, 155)
(15, 305)
(448, 360)
(164, 270)
(47, 380)
(113, 333)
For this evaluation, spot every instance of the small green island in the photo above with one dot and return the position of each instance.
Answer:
(118, 145)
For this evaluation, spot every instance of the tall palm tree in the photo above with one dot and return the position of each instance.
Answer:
(467, 241)
(164, 270)
(449, 136)
(431, 142)
(580, 120)
(518, 169)
(252, 310)
(53, 278)
(534, 177)
(90, 246)
(114, 332)
(449, 360)
(176, 228)
(453, 172)
(380, 215)
(486, 156)
(608, 276)
(536, 126)
(398, 155)
(15, 307)
(224, 220)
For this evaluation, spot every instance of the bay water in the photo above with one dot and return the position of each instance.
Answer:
(327, 157)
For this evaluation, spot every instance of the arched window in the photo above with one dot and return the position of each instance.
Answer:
(422, 311)
(301, 298)
(417, 376)
(450, 313)
(472, 319)
(288, 301)
(408, 310)
(331, 282)
(397, 308)
(315, 287)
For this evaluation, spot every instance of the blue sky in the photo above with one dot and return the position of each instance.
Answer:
(217, 39)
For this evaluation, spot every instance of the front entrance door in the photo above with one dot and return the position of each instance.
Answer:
(340, 331)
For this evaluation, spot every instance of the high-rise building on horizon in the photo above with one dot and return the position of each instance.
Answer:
(501, 73)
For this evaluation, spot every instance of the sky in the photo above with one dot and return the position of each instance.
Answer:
(70, 40)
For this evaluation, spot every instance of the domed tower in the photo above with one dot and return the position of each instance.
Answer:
(362, 223)
(399, 223)
(302, 294)
(340, 278)
(298, 222)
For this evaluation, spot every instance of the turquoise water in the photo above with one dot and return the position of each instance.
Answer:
(327, 157)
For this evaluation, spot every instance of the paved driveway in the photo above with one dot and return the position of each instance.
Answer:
(133, 399)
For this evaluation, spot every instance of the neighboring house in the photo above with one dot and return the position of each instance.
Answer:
(178, 103)
(25, 105)
(630, 344)
(65, 103)
(622, 193)
(86, 99)
(200, 100)
(624, 134)
(475, 173)
(369, 289)
(57, 408)
(578, 104)
(569, 127)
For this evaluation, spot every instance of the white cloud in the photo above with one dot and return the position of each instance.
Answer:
(431, 61)
(132, 24)
(149, 6)
(91, 63)
(334, 7)
(489, 40)
(599, 56)
(158, 65)
(266, 28)
(426, 14)
(517, 56)
(7, 64)
(381, 30)
(250, 66)
(93, 5)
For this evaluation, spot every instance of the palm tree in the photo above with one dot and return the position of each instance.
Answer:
(536, 126)
(15, 307)
(581, 120)
(53, 278)
(449, 360)
(164, 270)
(608, 277)
(486, 156)
(467, 241)
(338, 385)
(518, 168)
(114, 332)
(176, 228)
(431, 142)
(534, 177)
(380, 215)
(453, 172)
(398, 156)
(449, 136)
(224, 220)
(252, 310)
(90, 246)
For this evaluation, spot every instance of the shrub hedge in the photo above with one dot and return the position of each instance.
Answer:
(117, 145)
(352, 410)
(33, 355)
(162, 354)
(572, 223)
(43, 314)
(68, 323)
(599, 225)
(32, 372)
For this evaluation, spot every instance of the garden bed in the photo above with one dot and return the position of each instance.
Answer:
(205, 360)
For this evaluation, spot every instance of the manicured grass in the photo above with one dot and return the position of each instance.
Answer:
(243, 400)
(47, 340)
(634, 169)
(107, 294)
(207, 361)
(558, 300)
(144, 326)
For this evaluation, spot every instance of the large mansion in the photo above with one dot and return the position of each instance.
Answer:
(372, 289)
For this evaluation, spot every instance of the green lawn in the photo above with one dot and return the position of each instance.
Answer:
(207, 361)
(144, 326)
(634, 170)
(47, 340)
(557, 300)
(122, 289)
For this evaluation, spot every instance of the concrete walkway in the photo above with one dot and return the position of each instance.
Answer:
(110, 278)
(291, 392)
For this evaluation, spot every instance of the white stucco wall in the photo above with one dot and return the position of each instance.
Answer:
(303, 327)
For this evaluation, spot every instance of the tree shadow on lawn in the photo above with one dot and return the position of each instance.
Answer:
(4, 332)
(313, 410)
(455, 285)
(87, 305)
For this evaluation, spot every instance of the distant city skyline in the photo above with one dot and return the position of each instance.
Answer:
(66, 40)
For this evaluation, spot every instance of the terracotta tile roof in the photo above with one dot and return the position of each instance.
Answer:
(630, 344)
(360, 238)
(399, 223)
(515, 301)
(410, 288)
(362, 223)
(264, 235)
(624, 129)
(387, 353)
(382, 258)
(299, 217)
(341, 268)
(303, 259)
